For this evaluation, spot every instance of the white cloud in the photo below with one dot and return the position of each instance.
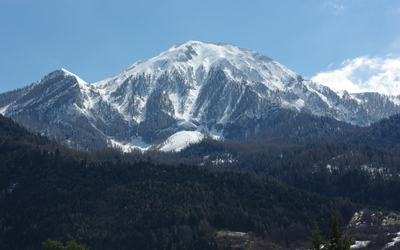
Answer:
(364, 74)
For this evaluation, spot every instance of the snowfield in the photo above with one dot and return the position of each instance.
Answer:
(181, 140)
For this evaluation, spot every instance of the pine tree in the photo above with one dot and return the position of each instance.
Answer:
(316, 238)
(338, 240)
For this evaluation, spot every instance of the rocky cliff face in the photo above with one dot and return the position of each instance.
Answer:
(195, 86)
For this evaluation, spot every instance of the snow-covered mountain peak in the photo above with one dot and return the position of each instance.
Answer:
(55, 74)
(197, 54)
(61, 74)
(68, 73)
(178, 97)
(194, 59)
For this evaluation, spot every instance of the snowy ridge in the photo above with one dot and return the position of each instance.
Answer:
(79, 80)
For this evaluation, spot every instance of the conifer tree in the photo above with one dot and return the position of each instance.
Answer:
(316, 238)
(338, 240)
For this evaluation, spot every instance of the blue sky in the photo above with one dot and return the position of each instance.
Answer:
(342, 42)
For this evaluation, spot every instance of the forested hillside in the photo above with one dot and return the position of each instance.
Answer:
(141, 205)
(156, 200)
(361, 164)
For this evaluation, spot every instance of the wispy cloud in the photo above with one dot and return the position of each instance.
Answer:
(336, 8)
(364, 74)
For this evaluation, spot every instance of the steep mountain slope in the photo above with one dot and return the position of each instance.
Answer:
(384, 134)
(64, 107)
(213, 88)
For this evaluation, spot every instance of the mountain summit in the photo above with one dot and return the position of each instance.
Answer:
(193, 90)
(192, 84)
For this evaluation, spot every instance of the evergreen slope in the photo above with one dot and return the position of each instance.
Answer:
(142, 205)
(358, 163)
(109, 200)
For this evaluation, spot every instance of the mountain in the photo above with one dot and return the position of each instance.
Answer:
(197, 89)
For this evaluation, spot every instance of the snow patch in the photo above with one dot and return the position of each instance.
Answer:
(298, 104)
(136, 144)
(214, 133)
(4, 109)
(360, 244)
(181, 140)
(234, 233)
(395, 100)
(395, 240)
(11, 188)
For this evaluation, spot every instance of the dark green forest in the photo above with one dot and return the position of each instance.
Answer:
(154, 200)
(362, 164)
